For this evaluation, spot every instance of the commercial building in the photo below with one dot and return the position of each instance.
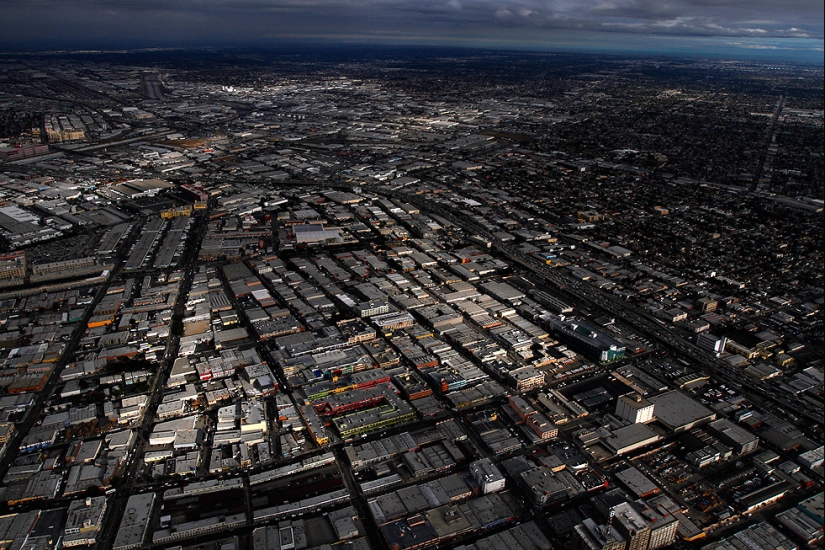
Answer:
(741, 440)
(526, 378)
(679, 413)
(588, 535)
(6, 432)
(631, 525)
(662, 522)
(395, 411)
(83, 521)
(372, 308)
(353, 400)
(637, 483)
(707, 304)
(634, 408)
(588, 341)
(12, 269)
(445, 523)
(389, 322)
(23, 152)
(711, 343)
(541, 426)
(67, 268)
(487, 475)
(314, 425)
(135, 523)
(543, 486)
(629, 438)
(521, 407)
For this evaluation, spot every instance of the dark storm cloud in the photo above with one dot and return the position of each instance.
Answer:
(535, 22)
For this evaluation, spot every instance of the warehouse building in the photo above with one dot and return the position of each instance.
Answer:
(588, 341)
(680, 413)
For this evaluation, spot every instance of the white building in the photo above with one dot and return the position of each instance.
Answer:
(487, 475)
(812, 459)
(634, 408)
(711, 343)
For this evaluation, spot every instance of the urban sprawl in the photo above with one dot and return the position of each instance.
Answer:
(426, 300)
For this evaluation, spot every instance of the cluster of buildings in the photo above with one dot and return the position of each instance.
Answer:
(345, 314)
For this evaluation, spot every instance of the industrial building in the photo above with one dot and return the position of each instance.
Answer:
(487, 475)
(134, 526)
(629, 438)
(741, 440)
(588, 535)
(680, 413)
(711, 343)
(634, 408)
(588, 341)
(762, 536)
(637, 483)
(84, 521)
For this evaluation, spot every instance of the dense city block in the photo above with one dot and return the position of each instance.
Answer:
(410, 298)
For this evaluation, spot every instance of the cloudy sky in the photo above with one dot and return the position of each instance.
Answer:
(792, 29)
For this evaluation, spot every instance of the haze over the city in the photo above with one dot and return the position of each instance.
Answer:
(790, 31)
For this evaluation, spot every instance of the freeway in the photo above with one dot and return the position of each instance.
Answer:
(763, 155)
(125, 141)
(629, 313)
(151, 87)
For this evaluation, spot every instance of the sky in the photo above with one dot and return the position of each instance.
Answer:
(779, 29)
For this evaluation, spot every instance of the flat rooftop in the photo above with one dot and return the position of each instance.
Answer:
(679, 412)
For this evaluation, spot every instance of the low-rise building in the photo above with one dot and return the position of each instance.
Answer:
(634, 408)
(587, 340)
(487, 475)
(134, 525)
(588, 535)
(679, 413)
(83, 521)
(541, 426)
(741, 440)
